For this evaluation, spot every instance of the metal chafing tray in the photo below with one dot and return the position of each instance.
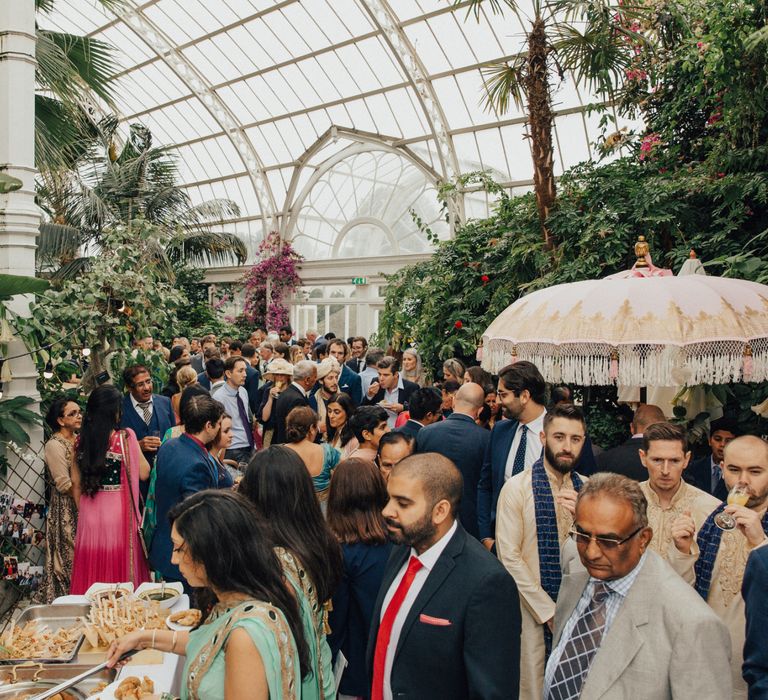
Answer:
(55, 617)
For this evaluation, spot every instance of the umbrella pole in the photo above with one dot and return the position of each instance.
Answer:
(643, 394)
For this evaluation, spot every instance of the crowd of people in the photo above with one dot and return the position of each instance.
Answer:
(332, 510)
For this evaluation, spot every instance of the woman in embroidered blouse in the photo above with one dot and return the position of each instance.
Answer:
(64, 418)
(105, 485)
(252, 644)
(278, 484)
(319, 459)
(338, 433)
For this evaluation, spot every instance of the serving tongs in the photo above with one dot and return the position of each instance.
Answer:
(66, 685)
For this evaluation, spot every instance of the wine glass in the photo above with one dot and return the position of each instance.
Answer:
(737, 496)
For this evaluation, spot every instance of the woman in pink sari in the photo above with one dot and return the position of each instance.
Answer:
(105, 478)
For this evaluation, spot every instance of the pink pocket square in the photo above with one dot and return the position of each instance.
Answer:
(437, 621)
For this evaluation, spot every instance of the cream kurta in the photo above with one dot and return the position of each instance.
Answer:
(698, 502)
(517, 547)
(724, 593)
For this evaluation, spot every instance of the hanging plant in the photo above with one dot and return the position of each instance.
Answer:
(276, 269)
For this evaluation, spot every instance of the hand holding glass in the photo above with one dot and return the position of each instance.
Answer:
(737, 496)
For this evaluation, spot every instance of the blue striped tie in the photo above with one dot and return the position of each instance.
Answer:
(519, 464)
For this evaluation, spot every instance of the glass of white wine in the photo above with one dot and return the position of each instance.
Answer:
(737, 496)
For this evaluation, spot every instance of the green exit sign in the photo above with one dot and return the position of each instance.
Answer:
(359, 280)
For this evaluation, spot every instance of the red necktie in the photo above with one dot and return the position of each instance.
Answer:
(385, 628)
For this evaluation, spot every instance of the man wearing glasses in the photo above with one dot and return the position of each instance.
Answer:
(628, 626)
(533, 517)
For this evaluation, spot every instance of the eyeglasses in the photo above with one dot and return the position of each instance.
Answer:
(605, 543)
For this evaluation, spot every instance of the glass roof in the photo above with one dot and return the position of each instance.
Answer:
(249, 90)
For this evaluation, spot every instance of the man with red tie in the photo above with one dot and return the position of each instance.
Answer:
(447, 619)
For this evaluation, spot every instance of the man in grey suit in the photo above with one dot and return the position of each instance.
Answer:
(626, 624)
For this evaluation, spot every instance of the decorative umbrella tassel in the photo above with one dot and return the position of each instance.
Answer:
(747, 364)
(614, 371)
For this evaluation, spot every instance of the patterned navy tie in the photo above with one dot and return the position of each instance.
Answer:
(519, 464)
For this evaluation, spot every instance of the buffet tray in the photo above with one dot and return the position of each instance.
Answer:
(55, 617)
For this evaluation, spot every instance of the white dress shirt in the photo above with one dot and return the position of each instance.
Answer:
(140, 410)
(393, 397)
(533, 446)
(428, 560)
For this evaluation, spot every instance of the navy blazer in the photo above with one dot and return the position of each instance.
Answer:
(492, 475)
(252, 377)
(183, 468)
(163, 418)
(461, 637)
(350, 383)
(464, 442)
(353, 603)
(410, 427)
(700, 473)
(204, 381)
(754, 587)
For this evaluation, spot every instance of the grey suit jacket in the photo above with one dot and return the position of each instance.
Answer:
(664, 643)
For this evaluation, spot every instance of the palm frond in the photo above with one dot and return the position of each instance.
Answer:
(57, 244)
(207, 248)
(503, 81)
(212, 210)
(71, 270)
(497, 6)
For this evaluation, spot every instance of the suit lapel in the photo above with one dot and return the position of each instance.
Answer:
(571, 588)
(502, 451)
(443, 567)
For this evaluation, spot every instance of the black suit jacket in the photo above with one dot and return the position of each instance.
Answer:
(477, 654)
(464, 442)
(288, 400)
(623, 459)
(410, 427)
(354, 366)
(755, 668)
(700, 473)
(403, 395)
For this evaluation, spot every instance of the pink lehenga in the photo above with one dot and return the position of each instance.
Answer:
(107, 546)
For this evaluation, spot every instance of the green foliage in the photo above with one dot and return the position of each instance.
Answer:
(13, 415)
(197, 317)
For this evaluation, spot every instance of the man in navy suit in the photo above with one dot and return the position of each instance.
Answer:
(423, 410)
(514, 443)
(464, 442)
(148, 415)
(446, 623)
(754, 587)
(358, 348)
(707, 472)
(252, 377)
(391, 391)
(349, 381)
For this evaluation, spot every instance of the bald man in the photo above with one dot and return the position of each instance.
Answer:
(463, 441)
(446, 623)
(625, 459)
(714, 560)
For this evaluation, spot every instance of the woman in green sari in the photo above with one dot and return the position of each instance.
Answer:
(252, 644)
(278, 484)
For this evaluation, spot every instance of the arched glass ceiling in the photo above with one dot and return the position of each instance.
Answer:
(246, 88)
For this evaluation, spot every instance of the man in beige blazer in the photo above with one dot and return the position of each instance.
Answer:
(626, 625)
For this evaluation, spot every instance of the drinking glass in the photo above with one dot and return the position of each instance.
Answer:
(737, 496)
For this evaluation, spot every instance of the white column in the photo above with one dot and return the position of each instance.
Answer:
(19, 216)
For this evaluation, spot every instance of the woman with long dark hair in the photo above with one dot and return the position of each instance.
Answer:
(105, 485)
(357, 497)
(252, 644)
(278, 484)
(64, 419)
(338, 432)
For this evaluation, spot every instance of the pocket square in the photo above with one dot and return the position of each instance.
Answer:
(437, 621)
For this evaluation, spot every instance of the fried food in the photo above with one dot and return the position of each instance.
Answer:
(111, 618)
(98, 688)
(132, 688)
(188, 618)
(35, 640)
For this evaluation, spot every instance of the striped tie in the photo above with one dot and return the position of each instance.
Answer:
(145, 406)
(519, 464)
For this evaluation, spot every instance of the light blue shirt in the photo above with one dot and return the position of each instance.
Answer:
(619, 589)
(227, 396)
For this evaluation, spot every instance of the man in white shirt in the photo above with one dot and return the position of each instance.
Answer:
(446, 623)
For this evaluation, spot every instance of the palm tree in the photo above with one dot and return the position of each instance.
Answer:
(598, 41)
(107, 188)
(71, 70)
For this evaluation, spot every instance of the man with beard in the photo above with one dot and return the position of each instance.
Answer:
(533, 517)
(328, 378)
(714, 560)
(446, 623)
(514, 444)
(665, 456)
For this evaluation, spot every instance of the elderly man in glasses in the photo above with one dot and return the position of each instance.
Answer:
(629, 626)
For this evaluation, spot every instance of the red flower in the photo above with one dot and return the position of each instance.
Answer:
(458, 324)
(721, 175)
(485, 279)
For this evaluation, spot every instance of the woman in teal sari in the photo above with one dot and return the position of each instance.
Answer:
(278, 484)
(252, 644)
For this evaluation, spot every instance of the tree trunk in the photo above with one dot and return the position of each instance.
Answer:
(540, 120)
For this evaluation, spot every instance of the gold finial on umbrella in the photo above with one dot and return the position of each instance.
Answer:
(641, 250)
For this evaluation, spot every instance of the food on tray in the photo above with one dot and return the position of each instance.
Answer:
(36, 640)
(99, 687)
(113, 617)
(25, 695)
(133, 688)
(187, 618)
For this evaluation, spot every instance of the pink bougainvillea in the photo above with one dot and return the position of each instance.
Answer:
(278, 262)
(648, 144)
